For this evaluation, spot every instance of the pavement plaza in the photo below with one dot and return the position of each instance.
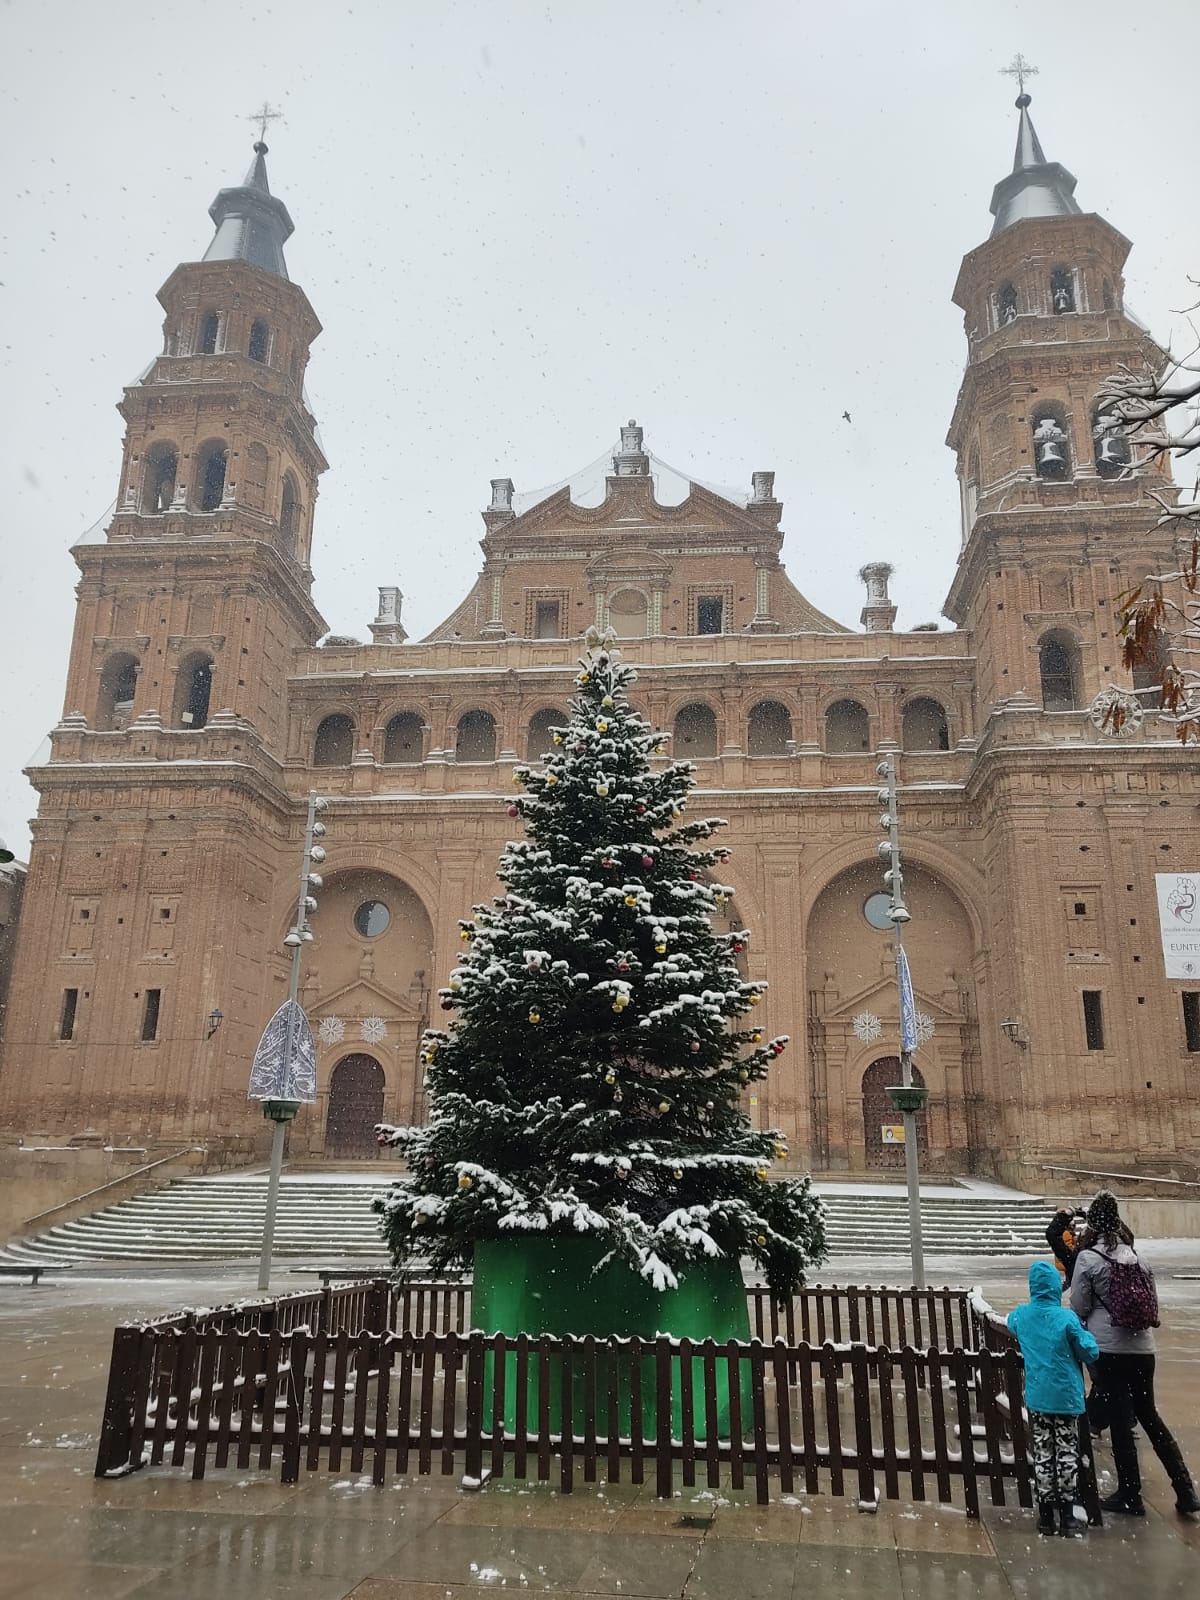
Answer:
(239, 1534)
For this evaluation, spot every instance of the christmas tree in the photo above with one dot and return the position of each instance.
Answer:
(591, 1080)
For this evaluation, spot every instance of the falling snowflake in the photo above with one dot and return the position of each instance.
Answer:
(923, 1029)
(332, 1030)
(867, 1027)
(373, 1030)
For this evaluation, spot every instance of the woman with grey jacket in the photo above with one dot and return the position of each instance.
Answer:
(1125, 1370)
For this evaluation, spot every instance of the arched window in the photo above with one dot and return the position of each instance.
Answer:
(289, 513)
(695, 732)
(541, 737)
(475, 737)
(923, 726)
(1006, 304)
(769, 730)
(158, 478)
(193, 687)
(118, 684)
(847, 728)
(334, 744)
(402, 740)
(259, 348)
(1051, 447)
(1111, 445)
(1062, 290)
(208, 483)
(1058, 658)
(252, 481)
(628, 613)
(970, 491)
(210, 332)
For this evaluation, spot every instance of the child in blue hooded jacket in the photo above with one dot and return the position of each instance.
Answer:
(1055, 1345)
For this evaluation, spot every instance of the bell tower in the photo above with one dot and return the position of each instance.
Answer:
(1054, 523)
(161, 868)
(206, 560)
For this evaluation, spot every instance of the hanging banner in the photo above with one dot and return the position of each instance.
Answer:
(893, 1132)
(285, 1063)
(1179, 922)
(908, 1007)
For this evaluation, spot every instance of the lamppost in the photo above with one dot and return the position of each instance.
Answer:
(907, 1097)
(283, 1077)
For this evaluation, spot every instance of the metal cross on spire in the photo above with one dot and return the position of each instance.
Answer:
(264, 115)
(1020, 69)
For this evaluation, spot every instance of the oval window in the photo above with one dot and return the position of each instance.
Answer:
(372, 918)
(876, 911)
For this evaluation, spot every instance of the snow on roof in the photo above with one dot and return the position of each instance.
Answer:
(588, 488)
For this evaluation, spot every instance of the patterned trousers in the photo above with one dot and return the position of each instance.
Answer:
(1055, 1442)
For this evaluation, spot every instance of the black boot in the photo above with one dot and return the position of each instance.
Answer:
(1186, 1502)
(1045, 1516)
(1068, 1526)
(1126, 1505)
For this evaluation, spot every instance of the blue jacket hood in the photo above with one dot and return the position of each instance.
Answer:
(1045, 1284)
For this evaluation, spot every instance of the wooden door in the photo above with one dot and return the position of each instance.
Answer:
(355, 1106)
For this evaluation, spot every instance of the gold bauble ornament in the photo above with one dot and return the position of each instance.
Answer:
(755, 998)
(661, 948)
(602, 790)
(678, 1173)
(535, 1016)
(465, 1181)
(760, 1238)
(631, 899)
(607, 701)
(664, 1106)
(762, 1174)
(610, 1076)
(743, 1075)
(602, 726)
(551, 780)
(558, 738)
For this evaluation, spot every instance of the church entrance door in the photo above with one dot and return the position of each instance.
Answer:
(880, 1116)
(355, 1106)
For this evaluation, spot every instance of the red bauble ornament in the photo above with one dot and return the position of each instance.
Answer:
(695, 1048)
(514, 811)
(641, 811)
(381, 1138)
(647, 861)
(738, 945)
(447, 1005)
(622, 966)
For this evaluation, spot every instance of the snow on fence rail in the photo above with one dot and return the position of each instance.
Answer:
(860, 1392)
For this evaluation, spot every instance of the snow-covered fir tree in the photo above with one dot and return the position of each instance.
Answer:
(591, 1080)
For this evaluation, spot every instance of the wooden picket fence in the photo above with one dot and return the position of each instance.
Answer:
(848, 1391)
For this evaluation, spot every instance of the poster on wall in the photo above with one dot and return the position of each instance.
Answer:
(1179, 922)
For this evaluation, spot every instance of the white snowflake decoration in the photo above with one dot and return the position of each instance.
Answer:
(867, 1027)
(924, 1028)
(332, 1030)
(372, 1030)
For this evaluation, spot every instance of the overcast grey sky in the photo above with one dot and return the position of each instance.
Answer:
(521, 223)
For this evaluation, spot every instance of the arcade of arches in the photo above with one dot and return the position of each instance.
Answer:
(367, 982)
(854, 1024)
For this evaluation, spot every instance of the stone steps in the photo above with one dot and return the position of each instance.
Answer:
(321, 1220)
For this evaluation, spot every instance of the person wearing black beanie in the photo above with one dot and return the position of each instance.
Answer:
(1113, 1294)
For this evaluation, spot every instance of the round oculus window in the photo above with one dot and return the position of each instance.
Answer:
(876, 911)
(372, 918)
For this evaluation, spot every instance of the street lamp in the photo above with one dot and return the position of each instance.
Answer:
(283, 1077)
(215, 1018)
(907, 1097)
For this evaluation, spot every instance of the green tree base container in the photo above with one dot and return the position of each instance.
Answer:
(537, 1285)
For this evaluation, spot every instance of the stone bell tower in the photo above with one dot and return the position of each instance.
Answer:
(1054, 524)
(157, 882)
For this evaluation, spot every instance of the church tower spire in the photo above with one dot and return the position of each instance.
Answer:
(252, 225)
(1035, 187)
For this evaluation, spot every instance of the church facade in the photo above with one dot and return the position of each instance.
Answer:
(201, 710)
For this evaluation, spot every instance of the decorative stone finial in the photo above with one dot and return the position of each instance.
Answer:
(387, 628)
(631, 461)
(764, 486)
(879, 614)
